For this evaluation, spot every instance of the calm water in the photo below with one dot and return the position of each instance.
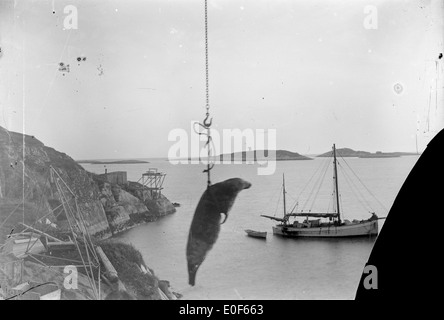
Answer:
(240, 267)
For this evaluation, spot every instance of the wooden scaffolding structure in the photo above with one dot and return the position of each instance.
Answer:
(153, 181)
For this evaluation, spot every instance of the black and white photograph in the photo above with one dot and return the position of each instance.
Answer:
(227, 150)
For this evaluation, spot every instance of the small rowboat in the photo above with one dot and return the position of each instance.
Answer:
(256, 234)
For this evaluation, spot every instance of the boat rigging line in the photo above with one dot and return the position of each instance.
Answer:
(319, 186)
(354, 188)
(318, 181)
(362, 183)
(320, 174)
(277, 203)
(308, 183)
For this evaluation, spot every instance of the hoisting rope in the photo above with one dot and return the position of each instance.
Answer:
(207, 124)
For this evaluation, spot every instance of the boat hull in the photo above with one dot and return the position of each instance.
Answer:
(366, 228)
(256, 234)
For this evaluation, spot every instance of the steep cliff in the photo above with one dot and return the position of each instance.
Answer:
(26, 192)
(158, 206)
(129, 204)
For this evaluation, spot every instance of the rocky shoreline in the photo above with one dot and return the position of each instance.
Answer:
(108, 208)
(131, 204)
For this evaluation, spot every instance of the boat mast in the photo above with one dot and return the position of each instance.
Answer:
(336, 183)
(284, 192)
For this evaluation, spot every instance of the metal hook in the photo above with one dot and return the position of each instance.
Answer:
(207, 125)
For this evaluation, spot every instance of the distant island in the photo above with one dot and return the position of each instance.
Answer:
(112, 162)
(347, 152)
(281, 155)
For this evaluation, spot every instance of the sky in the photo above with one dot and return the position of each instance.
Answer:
(311, 70)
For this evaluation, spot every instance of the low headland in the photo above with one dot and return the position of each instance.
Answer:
(112, 161)
(347, 152)
(258, 155)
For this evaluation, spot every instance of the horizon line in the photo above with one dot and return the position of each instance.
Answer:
(194, 158)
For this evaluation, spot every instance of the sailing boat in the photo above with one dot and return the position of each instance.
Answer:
(334, 228)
